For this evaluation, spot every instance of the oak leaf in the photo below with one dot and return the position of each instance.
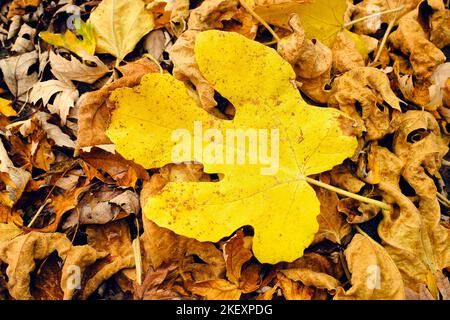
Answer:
(267, 99)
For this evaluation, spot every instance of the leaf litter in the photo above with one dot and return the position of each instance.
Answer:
(90, 92)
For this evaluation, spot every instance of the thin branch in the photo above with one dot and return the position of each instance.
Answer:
(38, 212)
(260, 20)
(443, 199)
(351, 23)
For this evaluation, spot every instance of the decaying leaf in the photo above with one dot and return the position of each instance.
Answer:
(365, 95)
(216, 206)
(186, 68)
(14, 179)
(18, 74)
(311, 61)
(89, 70)
(370, 7)
(65, 93)
(423, 248)
(374, 273)
(412, 41)
(21, 252)
(18, 7)
(113, 238)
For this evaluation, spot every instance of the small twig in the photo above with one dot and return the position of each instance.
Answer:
(136, 245)
(344, 265)
(358, 197)
(351, 23)
(445, 163)
(47, 201)
(385, 37)
(260, 20)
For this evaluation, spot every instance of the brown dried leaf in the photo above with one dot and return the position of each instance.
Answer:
(414, 238)
(311, 60)
(186, 69)
(113, 238)
(237, 251)
(219, 289)
(295, 290)
(89, 70)
(18, 7)
(412, 41)
(435, 16)
(123, 172)
(368, 7)
(374, 274)
(361, 93)
(345, 54)
(14, 179)
(94, 114)
(21, 252)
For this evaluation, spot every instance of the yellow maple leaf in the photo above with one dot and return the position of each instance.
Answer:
(275, 200)
(70, 41)
(119, 25)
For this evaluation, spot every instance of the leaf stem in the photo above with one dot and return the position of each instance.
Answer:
(443, 199)
(321, 184)
(351, 23)
(260, 20)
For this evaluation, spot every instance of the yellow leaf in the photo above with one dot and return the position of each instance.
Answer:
(321, 19)
(70, 41)
(119, 25)
(272, 196)
(6, 109)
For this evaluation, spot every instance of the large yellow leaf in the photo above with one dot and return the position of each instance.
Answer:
(119, 25)
(280, 205)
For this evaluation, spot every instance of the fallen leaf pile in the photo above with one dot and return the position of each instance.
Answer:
(92, 205)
